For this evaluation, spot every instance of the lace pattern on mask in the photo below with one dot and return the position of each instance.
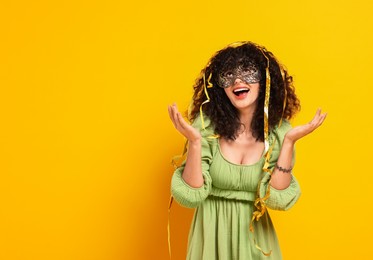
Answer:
(248, 74)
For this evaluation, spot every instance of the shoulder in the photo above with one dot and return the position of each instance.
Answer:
(204, 125)
(280, 130)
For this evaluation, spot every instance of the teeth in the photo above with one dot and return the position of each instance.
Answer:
(240, 89)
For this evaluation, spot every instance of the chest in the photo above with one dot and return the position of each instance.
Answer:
(228, 175)
(243, 152)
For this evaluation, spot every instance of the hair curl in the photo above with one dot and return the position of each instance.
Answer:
(223, 115)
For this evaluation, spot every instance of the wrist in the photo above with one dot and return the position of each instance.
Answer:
(282, 169)
(287, 141)
(195, 142)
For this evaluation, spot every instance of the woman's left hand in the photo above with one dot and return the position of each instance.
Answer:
(298, 132)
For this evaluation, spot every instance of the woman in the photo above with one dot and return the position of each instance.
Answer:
(240, 154)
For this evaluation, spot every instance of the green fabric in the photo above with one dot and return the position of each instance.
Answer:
(224, 204)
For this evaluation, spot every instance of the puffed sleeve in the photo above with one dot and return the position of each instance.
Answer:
(286, 198)
(183, 193)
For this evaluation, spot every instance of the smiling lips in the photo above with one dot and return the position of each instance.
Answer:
(241, 92)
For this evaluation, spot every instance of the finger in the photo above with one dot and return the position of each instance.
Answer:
(171, 114)
(316, 120)
(182, 122)
(323, 116)
(317, 115)
(320, 121)
(175, 112)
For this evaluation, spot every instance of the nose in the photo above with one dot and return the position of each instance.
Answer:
(237, 81)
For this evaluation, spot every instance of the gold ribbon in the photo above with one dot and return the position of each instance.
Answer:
(175, 161)
(168, 226)
(260, 203)
(266, 104)
(207, 96)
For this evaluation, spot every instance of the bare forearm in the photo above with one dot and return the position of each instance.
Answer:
(281, 180)
(192, 173)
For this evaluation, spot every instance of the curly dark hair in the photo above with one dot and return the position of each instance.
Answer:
(223, 115)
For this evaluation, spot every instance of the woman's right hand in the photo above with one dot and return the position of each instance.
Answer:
(188, 131)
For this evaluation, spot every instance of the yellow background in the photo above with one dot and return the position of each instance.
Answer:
(85, 139)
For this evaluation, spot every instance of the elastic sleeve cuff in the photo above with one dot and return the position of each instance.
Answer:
(286, 198)
(186, 195)
(282, 199)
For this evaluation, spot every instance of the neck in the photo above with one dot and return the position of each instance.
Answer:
(246, 117)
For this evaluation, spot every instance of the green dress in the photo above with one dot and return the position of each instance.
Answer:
(225, 203)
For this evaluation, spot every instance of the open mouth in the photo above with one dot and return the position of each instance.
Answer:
(240, 91)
